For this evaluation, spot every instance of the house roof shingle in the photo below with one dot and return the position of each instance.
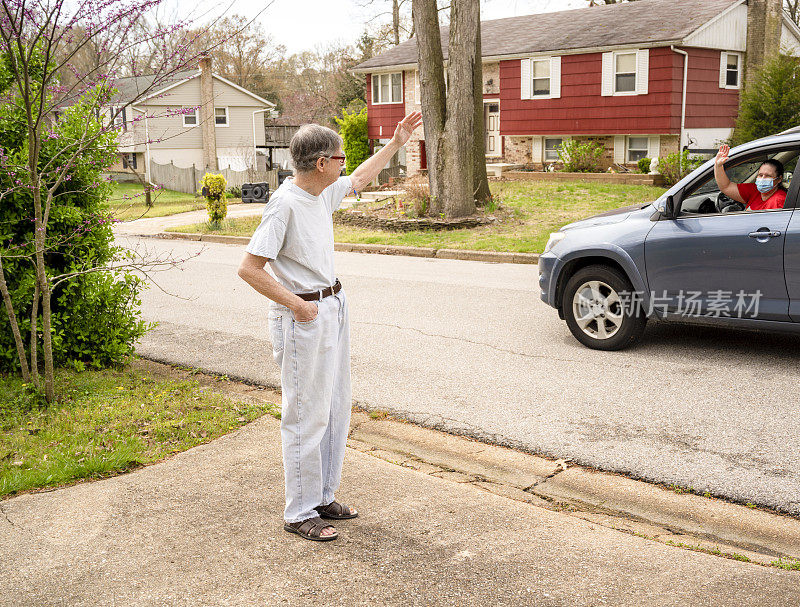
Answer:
(133, 88)
(641, 22)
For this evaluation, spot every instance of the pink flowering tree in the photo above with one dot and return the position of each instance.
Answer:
(70, 294)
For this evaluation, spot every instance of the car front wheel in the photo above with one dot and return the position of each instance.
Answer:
(600, 310)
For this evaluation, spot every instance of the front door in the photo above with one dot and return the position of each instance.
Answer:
(492, 122)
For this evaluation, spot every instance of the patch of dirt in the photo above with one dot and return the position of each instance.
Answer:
(396, 217)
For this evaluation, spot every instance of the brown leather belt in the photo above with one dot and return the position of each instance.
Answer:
(322, 293)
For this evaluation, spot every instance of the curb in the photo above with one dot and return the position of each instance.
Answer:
(379, 249)
(677, 518)
(654, 512)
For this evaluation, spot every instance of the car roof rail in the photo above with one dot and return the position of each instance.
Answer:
(794, 129)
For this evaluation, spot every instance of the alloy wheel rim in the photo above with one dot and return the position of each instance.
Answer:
(597, 309)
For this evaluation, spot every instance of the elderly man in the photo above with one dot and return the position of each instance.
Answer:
(308, 319)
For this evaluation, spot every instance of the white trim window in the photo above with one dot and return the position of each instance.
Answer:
(191, 119)
(221, 116)
(540, 78)
(638, 147)
(730, 70)
(625, 72)
(551, 147)
(387, 88)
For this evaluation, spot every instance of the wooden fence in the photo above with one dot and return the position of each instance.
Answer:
(187, 180)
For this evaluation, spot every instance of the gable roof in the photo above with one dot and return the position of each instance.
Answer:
(136, 89)
(646, 22)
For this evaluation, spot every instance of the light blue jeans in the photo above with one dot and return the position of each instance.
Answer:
(314, 358)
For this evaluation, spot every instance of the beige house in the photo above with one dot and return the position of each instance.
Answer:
(193, 118)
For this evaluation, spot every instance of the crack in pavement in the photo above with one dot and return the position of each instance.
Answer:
(480, 343)
(561, 466)
(5, 514)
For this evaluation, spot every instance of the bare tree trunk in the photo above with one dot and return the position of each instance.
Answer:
(35, 336)
(41, 276)
(793, 8)
(396, 21)
(480, 185)
(459, 131)
(12, 319)
(432, 94)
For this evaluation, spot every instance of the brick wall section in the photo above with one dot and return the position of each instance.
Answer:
(763, 33)
(669, 144)
(607, 143)
(491, 71)
(413, 146)
(518, 150)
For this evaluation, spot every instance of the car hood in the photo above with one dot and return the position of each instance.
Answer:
(607, 218)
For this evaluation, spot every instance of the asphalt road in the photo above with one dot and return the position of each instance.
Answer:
(469, 347)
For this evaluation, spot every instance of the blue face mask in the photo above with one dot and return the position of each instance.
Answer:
(764, 184)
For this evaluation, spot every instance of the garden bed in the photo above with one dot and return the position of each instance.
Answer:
(556, 177)
(386, 219)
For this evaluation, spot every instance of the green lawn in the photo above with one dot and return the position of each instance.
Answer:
(127, 202)
(107, 422)
(534, 210)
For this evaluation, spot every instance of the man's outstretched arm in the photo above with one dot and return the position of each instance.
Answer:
(369, 169)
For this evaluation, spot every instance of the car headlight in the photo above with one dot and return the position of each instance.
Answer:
(555, 237)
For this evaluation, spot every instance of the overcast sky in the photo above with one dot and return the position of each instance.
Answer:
(304, 24)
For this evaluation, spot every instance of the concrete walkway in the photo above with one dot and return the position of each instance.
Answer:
(204, 528)
(150, 226)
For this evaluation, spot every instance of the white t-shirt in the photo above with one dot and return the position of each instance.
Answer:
(296, 235)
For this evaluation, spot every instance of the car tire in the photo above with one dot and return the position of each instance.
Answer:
(596, 314)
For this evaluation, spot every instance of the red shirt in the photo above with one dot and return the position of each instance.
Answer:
(752, 196)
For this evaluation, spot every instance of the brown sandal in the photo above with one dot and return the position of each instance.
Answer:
(311, 529)
(335, 510)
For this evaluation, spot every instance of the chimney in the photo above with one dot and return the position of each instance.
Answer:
(207, 122)
(763, 34)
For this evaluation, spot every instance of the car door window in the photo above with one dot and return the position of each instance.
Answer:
(702, 197)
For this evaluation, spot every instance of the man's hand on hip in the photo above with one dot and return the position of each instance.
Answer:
(306, 311)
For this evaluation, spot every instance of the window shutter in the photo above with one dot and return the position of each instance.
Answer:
(537, 152)
(619, 149)
(525, 79)
(417, 92)
(607, 86)
(653, 146)
(723, 68)
(642, 71)
(555, 77)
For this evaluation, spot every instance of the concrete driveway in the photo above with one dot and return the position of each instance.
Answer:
(469, 348)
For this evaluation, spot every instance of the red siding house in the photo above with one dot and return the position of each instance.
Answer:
(643, 79)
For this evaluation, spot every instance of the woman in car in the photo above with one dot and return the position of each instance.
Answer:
(765, 193)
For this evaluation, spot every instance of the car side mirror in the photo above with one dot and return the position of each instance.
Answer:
(665, 208)
(669, 207)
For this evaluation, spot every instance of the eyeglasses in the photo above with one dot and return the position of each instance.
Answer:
(341, 159)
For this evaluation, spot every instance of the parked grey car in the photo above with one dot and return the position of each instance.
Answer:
(690, 256)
